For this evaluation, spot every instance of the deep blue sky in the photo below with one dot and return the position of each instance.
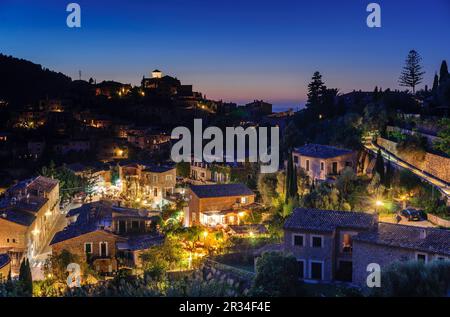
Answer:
(234, 50)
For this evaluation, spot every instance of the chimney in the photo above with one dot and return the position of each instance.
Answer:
(423, 233)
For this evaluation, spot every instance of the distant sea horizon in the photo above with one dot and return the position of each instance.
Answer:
(281, 108)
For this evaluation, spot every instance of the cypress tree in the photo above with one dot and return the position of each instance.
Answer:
(389, 175)
(435, 83)
(25, 278)
(443, 72)
(288, 177)
(379, 166)
(294, 191)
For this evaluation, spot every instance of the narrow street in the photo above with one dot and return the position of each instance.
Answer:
(37, 263)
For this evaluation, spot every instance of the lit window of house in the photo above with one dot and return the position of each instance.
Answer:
(243, 200)
(346, 243)
(88, 248)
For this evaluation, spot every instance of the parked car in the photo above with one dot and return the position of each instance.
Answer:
(411, 214)
(423, 214)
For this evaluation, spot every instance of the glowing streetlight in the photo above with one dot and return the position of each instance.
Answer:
(379, 203)
(205, 234)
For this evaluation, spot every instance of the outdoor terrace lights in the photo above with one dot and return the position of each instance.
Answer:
(205, 234)
(241, 214)
(48, 213)
(378, 203)
(35, 231)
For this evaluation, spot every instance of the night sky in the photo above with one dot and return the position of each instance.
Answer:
(236, 50)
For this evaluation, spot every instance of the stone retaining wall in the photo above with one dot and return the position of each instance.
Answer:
(438, 221)
(432, 164)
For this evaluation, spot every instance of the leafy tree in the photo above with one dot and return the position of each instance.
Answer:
(414, 146)
(158, 259)
(56, 265)
(345, 183)
(375, 117)
(412, 73)
(444, 133)
(276, 275)
(89, 183)
(184, 169)
(415, 279)
(267, 187)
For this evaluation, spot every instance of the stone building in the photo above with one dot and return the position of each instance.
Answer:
(333, 245)
(148, 182)
(108, 237)
(218, 205)
(322, 241)
(27, 216)
(323, 161)
(391, 242)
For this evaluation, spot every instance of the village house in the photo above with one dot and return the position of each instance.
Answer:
(392, 242)
(153, 142)
(108, 237)
(160, 84)
(72, 145)
(27, 216)
(332, 245)
(218, 205)
(152, 184)
(323, 161)
(322, 241)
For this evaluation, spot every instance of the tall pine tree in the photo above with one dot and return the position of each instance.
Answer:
(412, 73)
(316, 89)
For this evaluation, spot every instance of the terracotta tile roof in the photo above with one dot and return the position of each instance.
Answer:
(141, 242)
(408, 237)
(246, 229)
(328, 220)
(321, 151)
(221, 190)
(4, 259)
(17, 216)
(42, 183)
